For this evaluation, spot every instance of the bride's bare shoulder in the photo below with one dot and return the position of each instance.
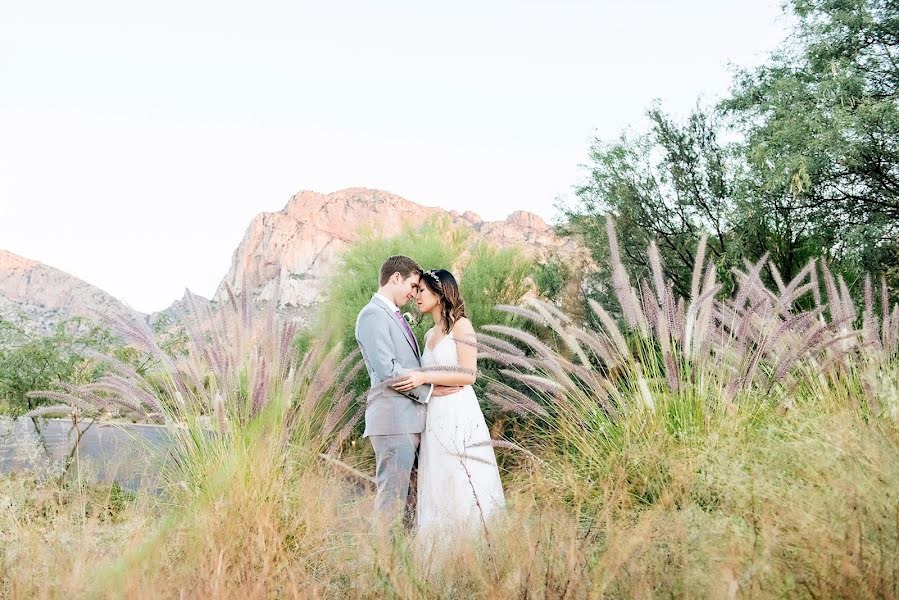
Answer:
(463, 327)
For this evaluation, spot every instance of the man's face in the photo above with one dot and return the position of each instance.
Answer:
(408, 289)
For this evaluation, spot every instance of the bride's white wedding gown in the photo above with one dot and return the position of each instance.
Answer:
(459, 487)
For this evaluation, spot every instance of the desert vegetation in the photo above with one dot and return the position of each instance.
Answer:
(708, 445)
(712, 411)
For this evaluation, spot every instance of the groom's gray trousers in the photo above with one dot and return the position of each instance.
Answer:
(394, 457)
(393, 420)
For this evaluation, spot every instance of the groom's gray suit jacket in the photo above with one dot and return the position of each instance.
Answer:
(388, 352)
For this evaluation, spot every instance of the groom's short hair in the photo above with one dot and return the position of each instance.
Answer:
(403, 265)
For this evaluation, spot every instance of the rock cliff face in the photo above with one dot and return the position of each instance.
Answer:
(287, 255)
(45, 296)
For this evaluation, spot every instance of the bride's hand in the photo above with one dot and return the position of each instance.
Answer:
(410, 382)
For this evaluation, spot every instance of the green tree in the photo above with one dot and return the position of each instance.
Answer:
(551, 276)
(673, 185)
(488, 276)
(433, 245)
(820, 122)
(493, 276)
(31, 361)
(813, 169)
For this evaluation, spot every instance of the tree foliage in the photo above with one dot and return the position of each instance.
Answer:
(355, 277)
(802, 160)
(487, 276)
(30, 361)
(820, 124)
(673, 185)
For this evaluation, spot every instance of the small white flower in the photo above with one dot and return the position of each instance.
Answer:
(410, 318)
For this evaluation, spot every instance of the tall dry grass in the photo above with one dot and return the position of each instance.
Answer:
(809, 511)
(764, 433)
(697, 447)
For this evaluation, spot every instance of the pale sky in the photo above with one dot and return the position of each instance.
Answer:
(139, 139)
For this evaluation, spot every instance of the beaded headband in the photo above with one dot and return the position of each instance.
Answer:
(436, 279)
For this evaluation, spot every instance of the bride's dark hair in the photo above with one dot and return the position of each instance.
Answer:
(442, 283)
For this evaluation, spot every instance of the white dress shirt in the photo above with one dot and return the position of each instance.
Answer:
(387, 301)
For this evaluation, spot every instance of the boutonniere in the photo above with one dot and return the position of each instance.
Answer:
(410, 318)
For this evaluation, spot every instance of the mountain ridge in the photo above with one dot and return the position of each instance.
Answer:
(283, 256)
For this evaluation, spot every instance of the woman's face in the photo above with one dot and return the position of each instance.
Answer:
(426, 300)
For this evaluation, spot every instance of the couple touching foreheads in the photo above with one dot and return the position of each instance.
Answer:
(422, 408)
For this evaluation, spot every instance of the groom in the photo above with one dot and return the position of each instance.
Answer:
(393, 420)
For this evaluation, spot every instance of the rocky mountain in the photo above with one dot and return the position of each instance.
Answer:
(177, 309)
(287, 255)
(45, 296)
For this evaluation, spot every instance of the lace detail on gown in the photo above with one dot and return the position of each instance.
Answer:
(459, 486)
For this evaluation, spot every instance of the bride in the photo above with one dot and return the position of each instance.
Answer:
(458, 481)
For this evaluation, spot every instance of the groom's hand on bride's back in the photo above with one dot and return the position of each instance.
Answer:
(445, 390)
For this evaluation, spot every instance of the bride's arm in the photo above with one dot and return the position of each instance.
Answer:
(464, 337)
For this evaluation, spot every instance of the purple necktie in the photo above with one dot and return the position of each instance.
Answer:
(408, 330)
